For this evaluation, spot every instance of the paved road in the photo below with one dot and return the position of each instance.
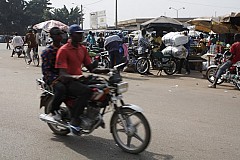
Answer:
(188, 120)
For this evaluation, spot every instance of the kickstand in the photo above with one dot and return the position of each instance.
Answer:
(159, 71)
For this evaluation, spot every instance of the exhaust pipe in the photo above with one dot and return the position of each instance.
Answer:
(48, 119)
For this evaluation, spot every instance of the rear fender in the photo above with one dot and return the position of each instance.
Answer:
(212, 66)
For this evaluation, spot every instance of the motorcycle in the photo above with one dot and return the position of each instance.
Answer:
(159, 61)
(133, 56)
(128, 126)
(98, 54)
(19, 50)
(231, 75)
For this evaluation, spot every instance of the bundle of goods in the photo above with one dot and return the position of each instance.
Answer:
(178, 52)
(174, 39)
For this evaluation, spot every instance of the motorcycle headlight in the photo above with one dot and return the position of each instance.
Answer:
(122, 87)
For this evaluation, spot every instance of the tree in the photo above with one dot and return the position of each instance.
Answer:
(11, 15)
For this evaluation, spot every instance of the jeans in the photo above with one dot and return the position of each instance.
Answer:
(83, 94)
(59, 96)
(223, 68)
(115, 58)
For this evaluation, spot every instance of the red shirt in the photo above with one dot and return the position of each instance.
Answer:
(235, 50)
(72, 58)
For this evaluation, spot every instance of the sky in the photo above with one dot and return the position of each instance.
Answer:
(131, 9)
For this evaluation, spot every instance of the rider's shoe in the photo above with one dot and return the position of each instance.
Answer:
(75, 130)
(29, 62)
(212, 86)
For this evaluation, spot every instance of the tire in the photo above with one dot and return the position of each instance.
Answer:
(237, 84)
(142, 65)
(172, 69)
(105, 63)
(133, 142)
(56, 129)
(36, 60)
(210, 74)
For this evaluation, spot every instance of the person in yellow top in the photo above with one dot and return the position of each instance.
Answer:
(157, 41)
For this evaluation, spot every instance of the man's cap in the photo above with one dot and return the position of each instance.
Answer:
(55, 31)
(75, 29)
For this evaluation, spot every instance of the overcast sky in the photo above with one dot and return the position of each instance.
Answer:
(130, 9)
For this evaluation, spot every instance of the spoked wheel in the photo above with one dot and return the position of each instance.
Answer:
(36, 59)
(137, 135)
(211, 73)
(172, 67)
(237, 84)
(105, 63)
(26, 58)
(58, 130)
(142, 66)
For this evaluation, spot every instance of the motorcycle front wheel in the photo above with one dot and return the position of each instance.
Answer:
(105, 63)
(211, 73)
(142, 66)
(136, 137)
(172, 67)
(58, 130)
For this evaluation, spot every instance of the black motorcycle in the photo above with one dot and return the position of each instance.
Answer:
(129, 127)
(158, 61)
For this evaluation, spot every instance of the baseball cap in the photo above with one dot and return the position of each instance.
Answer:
(75, 28)
(55, 31)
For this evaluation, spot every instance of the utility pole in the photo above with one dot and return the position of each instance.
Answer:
(116, 24)
(82, 16)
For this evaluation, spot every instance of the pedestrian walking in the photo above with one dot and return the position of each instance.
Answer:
(7, 39)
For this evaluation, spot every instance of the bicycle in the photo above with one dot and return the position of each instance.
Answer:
(35, 59)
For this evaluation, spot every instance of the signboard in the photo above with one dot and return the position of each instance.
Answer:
(98, 20)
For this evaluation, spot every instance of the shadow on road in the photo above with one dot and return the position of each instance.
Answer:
(97, 148)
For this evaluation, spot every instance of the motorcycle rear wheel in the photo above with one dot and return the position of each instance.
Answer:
(142, 66)
(138, 134)
(56, 129)
(210, 74)
(172, 69)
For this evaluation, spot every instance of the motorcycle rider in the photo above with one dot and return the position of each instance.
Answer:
(50, 73)
(16, 42)
(235, 51)
(70, 59)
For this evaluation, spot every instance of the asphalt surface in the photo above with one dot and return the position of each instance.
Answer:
(188, 120)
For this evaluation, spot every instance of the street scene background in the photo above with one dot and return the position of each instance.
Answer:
(187, 119)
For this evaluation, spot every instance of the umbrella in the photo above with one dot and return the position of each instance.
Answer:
(232, 18)
(163, 23)
(111, 39)
(47, 25)
(208, 24)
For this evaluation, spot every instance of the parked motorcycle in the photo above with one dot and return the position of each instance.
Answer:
(100, 55)
(159, 61)
(231, 75)
(133, 56)
(128, 126)
(18, 50)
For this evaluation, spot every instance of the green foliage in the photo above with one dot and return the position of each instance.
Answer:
(17, 15)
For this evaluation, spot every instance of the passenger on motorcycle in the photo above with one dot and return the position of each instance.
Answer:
(70, 59)
(235, 51)
(16, 42)
(50, 73)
